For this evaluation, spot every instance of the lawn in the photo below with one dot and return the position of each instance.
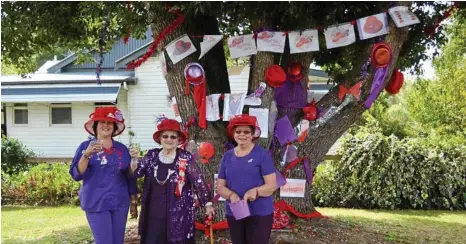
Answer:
(68, 224)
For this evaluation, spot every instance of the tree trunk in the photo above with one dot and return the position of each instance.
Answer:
(320, 138)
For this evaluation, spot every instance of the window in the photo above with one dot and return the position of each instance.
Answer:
(61, 114)
(20, 114)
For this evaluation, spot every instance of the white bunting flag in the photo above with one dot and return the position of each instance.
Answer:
(307, 41)
(208, 43)
(241, 46)
(372, 26)
(269, 41)
(340, 35)
(402, 16)
(180, 48)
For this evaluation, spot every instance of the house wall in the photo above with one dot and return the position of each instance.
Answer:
(56, 141)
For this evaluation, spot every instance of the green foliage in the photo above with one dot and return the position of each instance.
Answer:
(43, 184)
(29, 28)
(14, 155)
(385, 172)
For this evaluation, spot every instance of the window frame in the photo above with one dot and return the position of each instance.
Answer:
(60, 105)
(20, 106)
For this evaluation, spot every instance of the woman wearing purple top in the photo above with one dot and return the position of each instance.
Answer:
(104, 167)
(170, 173)
(247, 172)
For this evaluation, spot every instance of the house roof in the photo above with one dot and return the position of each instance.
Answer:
(59, 93)
(69, 78)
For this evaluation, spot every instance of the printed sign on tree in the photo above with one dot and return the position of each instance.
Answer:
(179, 49)
(269, 41)
(293, 188)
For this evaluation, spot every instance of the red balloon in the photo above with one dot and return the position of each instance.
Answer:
(206, 151)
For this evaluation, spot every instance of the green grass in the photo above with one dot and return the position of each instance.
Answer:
(67, 224)
(407, 226)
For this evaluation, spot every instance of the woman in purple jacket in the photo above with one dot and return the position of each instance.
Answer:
(247, 172)
(104, 167)
(167, 212)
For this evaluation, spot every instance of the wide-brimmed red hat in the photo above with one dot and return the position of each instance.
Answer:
(275, 75)
(169, 124)
(244, 120)
(111, 114)
(395, 83)
(381, 54)
(295, 72)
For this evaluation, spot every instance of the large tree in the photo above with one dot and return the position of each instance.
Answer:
(29, 28)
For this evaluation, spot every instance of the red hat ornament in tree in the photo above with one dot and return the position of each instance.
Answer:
(206, 151)
(395, 83)
(310, 111)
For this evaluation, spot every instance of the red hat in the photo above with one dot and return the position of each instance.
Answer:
(206, 151)
(395, 83)
(111, 114)
(275, 75)
(244, 120)
(169, 124)
(381, 54)
(295, 72)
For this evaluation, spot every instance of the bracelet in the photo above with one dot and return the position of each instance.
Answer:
(257, 192)
(84, 155)
(134, 202)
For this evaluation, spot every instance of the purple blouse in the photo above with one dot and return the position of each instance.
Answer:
(244, 173)
(107, 182)
(180, 216)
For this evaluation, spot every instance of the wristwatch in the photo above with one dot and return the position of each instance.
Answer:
(83, 152)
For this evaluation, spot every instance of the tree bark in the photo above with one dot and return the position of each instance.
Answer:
(320, 137)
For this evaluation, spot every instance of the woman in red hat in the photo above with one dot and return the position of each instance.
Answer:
(103, 165)
(247, 173)
(170, 173)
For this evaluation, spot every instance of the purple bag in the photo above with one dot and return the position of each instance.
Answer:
(284, 131)
(240, 209)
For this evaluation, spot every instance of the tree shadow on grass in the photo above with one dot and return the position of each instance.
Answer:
(79, 235)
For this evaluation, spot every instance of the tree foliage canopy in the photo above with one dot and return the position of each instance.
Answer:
(32, 28)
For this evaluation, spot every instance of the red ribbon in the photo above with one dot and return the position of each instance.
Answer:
(222, 225)
(160, 37)
(283, 206)
(128, 30)
(355, 90)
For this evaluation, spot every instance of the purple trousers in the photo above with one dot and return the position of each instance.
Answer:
(108, 227)
(251, 230)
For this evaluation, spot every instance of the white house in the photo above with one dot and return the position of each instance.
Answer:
(47, 110)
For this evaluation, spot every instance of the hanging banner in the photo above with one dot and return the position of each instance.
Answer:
(340, 35)
(179, 49)
(402, 16)
(212, 108)
(270, 41)
(307, 41)
(262, 115)
(372, 26)
(208, 43)
(233, 104)
(293, 188)
(241, 46)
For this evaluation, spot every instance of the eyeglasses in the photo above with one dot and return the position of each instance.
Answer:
(171, 137)
(246, 132)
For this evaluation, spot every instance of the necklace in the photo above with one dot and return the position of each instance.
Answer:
(166, 159)
(170, 172)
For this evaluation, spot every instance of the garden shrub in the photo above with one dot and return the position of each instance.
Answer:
(14, 155)
(44, 184)
(384, 172)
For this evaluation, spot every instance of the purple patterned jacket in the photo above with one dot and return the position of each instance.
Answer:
(180, 216)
